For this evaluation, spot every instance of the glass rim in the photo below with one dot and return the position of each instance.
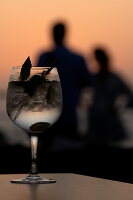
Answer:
(33, 67)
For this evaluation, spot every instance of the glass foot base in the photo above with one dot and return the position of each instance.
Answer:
(33, 180)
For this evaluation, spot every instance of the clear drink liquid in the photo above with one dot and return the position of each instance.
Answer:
(35, 104)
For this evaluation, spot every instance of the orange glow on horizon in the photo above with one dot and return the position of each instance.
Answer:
(25, 27)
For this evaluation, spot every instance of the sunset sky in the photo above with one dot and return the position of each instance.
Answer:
(25, 28)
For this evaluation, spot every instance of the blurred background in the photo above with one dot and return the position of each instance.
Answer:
(26, 31)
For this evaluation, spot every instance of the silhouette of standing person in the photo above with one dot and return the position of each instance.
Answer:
(73, 74)
(109, 89)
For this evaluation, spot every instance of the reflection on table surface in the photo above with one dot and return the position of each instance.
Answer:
(68, 187)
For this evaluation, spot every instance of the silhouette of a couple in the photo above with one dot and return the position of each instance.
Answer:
(104, 124)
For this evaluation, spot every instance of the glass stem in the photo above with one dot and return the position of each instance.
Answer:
(34, 142)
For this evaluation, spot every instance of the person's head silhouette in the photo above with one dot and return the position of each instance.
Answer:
(59, 31)
(102, 58)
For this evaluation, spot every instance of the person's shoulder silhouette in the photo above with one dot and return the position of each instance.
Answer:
(112, 81)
